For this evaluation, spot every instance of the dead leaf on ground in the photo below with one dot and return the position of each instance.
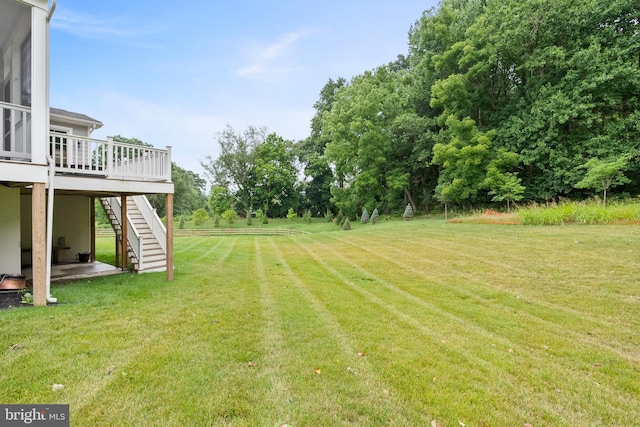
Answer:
(510, 350)
(527, 425)
(318, 371)
(110, 369)
(461, 423)
(353, 371)
(15, 347)
(252, 364)
(434, 423)
(361, 354)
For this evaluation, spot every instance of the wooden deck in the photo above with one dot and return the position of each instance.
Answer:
(78, 270)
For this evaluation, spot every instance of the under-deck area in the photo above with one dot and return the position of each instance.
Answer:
(77, 270)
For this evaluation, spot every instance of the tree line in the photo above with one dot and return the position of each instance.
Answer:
(494, 102)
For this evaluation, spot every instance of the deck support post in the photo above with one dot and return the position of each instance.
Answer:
(124, 253)
(169, 227)
(39, 250)
(92, 210)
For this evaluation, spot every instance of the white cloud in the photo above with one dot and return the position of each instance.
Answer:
(267, 62)
(104, 28)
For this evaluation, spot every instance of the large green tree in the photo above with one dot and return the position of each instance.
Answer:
(257, 170)
(275, 176)
(315, 189)
(378, 146)
(234, 168)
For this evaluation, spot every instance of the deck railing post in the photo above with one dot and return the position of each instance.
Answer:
(109, 165)
(167, 172)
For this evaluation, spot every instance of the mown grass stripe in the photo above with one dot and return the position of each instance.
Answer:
(376, 390)
(346, 281)
(474, 278)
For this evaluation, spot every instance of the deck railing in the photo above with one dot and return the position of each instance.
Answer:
(75, 154)
(15, 132)
(113, 160)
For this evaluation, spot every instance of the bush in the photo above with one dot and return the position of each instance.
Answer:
(291, 215)
(339, 218)
(249, 220)
(216, 220)
(347, 225)
(375, 217)
(328, 215)
(307, 217)
(408, 212)
(200, 216)
(365, 216)
(230, 215)
(181, 224)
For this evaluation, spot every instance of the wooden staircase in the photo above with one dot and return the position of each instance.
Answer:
(146, 235)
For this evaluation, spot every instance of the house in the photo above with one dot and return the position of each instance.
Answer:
(52, 170)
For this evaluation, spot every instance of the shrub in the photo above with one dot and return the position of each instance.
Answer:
(200, 216)
(216, 220)
(339, 218)
(365, 216)
(249, 220)
(375, 216)
(181, 224)
(347, 225)
(307, 217)
(230, 215)
(291, 215)
(408, 212)
(328, 215)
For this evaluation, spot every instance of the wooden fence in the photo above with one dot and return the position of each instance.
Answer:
(186, 232)
(237, 231)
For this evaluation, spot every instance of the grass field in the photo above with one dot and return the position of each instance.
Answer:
(413, 323)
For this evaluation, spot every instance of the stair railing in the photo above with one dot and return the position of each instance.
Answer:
(153, 220)
(134, 239)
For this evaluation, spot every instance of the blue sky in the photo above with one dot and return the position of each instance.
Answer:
(176, 73)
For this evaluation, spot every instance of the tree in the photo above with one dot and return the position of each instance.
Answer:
(502, 183)
(408, 212)
(220, 200)
(508, 188)
(463, 162)
(275, 175)
(603, 174)
(316, 186)
(365, 216)
(375, 216)
(234, 168)
(372, 162)
(188, 192)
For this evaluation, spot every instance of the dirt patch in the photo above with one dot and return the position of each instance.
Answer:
(11, 299)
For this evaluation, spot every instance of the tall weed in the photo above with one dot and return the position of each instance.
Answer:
(586, 212)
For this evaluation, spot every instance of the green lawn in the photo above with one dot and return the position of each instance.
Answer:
(399, 323)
